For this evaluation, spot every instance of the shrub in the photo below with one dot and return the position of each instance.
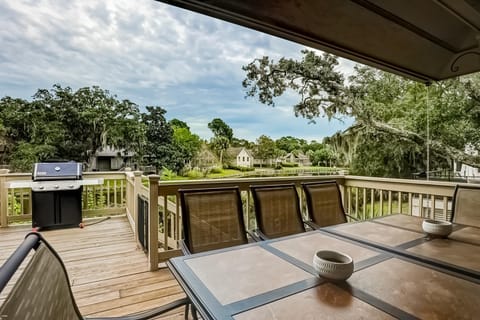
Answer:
(194, 174)
(242, 169)
(216, 170)
(289, 164)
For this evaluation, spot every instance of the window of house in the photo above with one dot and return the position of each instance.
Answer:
(243, 158)
(248, 159)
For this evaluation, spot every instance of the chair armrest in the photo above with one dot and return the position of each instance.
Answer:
(252, 235)
(149, 314)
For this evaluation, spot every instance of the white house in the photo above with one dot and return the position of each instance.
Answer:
(240, 157)
(299, 158)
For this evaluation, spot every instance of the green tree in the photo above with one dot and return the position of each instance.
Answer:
(187, 145)
(322, 156)
(242, 143)
(386, 108)
(222, 137)
(265, 148)
(176, 123)
(290, 144)
(160, 148)
(314, 79)
(72, 125)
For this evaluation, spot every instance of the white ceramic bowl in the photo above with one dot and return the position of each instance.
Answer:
(333, 265)
(437, 227)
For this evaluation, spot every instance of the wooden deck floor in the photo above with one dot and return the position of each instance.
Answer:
(109, 274)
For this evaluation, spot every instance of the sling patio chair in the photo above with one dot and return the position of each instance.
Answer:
(277, 210)
(324, 204)
(43, 292)
(466, 205)
(212, 219)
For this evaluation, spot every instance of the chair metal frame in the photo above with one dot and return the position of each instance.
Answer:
(458, 188)
(258, 207)
(309, 200)
(187, 244)
(32, 241)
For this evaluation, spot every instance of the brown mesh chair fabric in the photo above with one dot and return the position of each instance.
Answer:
(466, 206)
(277, 210)
(324, 203)
(42, 291)
(212, 218)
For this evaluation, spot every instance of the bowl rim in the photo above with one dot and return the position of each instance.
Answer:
(437, 222)
(334, 252)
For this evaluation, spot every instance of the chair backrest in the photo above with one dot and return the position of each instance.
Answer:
(212, 218)
(277, 210)
(324, 203)
(43, 290)
(466, 206)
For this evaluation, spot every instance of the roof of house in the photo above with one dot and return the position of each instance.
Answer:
(234, 151)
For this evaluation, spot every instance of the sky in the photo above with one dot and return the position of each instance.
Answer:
(154, 54)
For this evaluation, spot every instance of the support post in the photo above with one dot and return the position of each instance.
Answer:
(3, 201)
(137, 183)
(153, 223)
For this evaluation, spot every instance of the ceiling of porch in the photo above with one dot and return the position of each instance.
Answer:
(426, 40)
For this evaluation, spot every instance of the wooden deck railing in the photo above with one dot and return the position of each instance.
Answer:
(363, 197)
(106, 199)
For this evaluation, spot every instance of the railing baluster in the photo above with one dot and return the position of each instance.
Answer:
(420, 204)
(356, 202)
(399, 201)
(364, 209)
(445, 208)
(22, 211)
(389, 202)
(108, 192)
(115, 197)
(349, 197)
(410, 204)
(432, 207)
(381, 202)
(165, 223)
(177, 218)
(372, 202)
(122, 192)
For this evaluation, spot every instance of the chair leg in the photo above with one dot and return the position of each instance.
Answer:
(187, 308)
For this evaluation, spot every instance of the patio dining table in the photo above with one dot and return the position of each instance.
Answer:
(399, 273)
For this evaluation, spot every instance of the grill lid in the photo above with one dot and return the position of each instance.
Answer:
(57, 171)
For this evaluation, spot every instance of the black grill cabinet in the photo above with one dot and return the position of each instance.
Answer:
(56, 195)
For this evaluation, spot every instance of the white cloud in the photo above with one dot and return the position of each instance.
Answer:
(150, 53)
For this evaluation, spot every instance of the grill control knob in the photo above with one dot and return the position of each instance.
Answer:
(41, 187)
(56, 186)
(71, 186)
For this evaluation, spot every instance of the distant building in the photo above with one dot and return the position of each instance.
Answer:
(111, 159)
(205, 158)
(240, 157)
(467, 171)
(300, 158)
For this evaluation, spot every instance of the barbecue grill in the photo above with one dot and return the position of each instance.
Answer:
(56, 194)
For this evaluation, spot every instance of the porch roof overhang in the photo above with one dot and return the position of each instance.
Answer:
(426, 40)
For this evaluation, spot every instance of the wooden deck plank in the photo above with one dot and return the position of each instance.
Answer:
(109, 273)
